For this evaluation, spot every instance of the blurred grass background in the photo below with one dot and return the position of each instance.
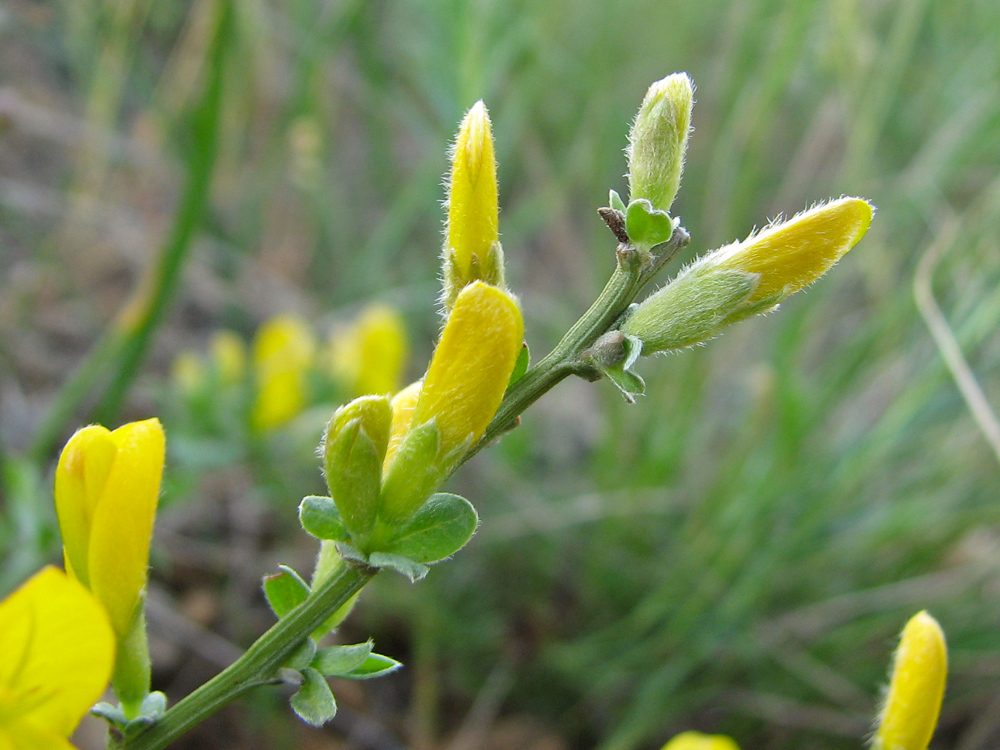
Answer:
(734, 554)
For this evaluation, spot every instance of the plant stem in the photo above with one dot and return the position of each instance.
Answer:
(258, 665)
(125, 342)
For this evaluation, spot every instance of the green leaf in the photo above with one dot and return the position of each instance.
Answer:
(442, 526)
(409, 568)
(375, 665)
(314, 703)
(285, 591)
(521, 365)
(615, 201)
(320, 518)
(413, 475)
(629, 383)
(646, 226)
(111, 714)
(303, 656)
(337, 661)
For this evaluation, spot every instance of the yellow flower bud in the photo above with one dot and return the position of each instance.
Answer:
(471, 249)
(791, 255)
(403, 405)
(699, 741)
(56, 653)
(916, 689)
(471, 365)
(229, 354)
(283, 350)
(658, 141)
(461, 392)
(106, 489)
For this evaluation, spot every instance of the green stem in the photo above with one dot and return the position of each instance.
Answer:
(259, 664)
(124, 345)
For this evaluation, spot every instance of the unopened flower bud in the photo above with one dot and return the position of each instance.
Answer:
(916, 689)
(472, 248)
(658, 141)
(748, 277)
(353, 450)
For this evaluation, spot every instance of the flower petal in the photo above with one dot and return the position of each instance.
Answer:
(123, 523)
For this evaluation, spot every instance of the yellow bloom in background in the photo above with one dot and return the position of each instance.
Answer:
(792, 254)
(188, 371)
(283, 351)
(229, 355)
(403, 405)
(699, 741)
(106, 488)
(473, 204)
(471, 365)
(916, 689)
(57, 649)
(370, 355)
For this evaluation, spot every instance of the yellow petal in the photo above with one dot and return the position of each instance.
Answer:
(472, 364)
(793, 254)
(283, 351)
(123, 523)
(699, 741)
(472, 198)
(382, 351)
(56, 654)
(919, 673)
(23, 735)
(81, 474)
(403, 405)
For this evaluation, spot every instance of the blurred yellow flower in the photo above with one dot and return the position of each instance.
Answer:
(283, 351)
(791, 255)
(56, 653)
(370, 355)
(106, 490)
(229, 355)
(919, 672)
(699, 741)
(188, 371)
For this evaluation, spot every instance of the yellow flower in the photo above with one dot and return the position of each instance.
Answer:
(370, 355)
(792, 254)
(460, 394)
(56, 653)
(106, 489)
(699, 741)
(471, 365)
(229, 354)
(283, 350)
(188, 371)
(919, 672)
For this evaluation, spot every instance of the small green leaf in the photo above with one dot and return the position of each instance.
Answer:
(320, 518)
(615, 201)
(376, 665)
(337, 661)
(111, 714)
(521, 365)
(646, 226)
(409, 568)
(630, 384)
(442, 526)
(314, 703)
(285, 591)
(303, 656)
(413, 475)
(351, 554)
